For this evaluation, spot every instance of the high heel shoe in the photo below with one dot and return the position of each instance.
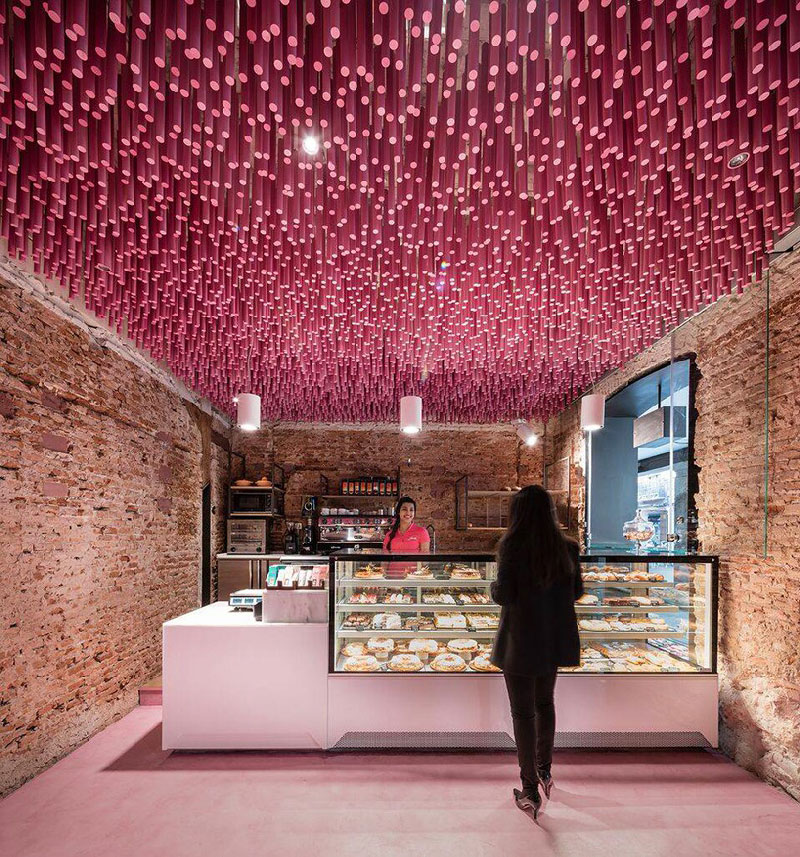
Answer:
(528, 801)
(546, 779)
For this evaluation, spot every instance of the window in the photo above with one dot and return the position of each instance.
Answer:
(642, 460)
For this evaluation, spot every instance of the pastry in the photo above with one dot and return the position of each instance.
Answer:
(465, 574)
(461, 647)
(482, 664)
(422, 572)
(594, 625)
(364, 596)
(419, 623)
(421, 645)
(368, 571)
(354, 650)
(405, 664)
(387, 622)
(448, 663)
(588, 599)
(482, 621)
(380, 644)
(363, 663)
(589, 654)
(446, 621)
(357, 621)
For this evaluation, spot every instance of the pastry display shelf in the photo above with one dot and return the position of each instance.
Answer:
(438, 634)
(628, 584)
(409, 582)
(346, 607)
(426, 670)
(602, 609)
(601, 636)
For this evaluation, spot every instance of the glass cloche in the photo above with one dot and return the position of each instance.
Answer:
(639, 530)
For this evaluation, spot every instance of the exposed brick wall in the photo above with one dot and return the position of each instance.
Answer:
(101, 469)
(759, 631)
(491, 455)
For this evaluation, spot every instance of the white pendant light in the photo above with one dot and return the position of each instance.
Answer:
(593, 412)
(411, 414)
(248, 411)
(311, 145)
(527, 435)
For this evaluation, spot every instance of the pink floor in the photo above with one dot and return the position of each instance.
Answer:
(120, 795)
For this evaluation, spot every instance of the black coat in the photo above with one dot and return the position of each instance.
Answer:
(538, 627)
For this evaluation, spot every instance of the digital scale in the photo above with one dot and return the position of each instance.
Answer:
(246, 598)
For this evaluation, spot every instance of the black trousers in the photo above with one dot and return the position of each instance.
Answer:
(534, 716)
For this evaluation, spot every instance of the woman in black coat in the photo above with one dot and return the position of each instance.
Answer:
(538, 581)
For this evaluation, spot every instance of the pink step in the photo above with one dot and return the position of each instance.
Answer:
(150, 693)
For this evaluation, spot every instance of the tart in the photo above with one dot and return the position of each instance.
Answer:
(354, 650)
(368, 571)
(458, 573)
(594, 625)
(405, 664)
(362, 664)
(422, 572)
(482, 664)
(448, 663)
(461, 647)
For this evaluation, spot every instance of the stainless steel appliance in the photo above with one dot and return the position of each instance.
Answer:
(255, 501)
(337, 531)
(247, 535)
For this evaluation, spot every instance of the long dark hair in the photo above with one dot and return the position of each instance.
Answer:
(396, 522)
(533, 540)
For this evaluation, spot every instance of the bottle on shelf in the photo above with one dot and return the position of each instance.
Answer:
(290, 540)
(307, 547)
(345, 486)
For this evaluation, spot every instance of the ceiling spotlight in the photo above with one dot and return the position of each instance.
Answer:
(527, 435)
(739, 160)
(311, 144)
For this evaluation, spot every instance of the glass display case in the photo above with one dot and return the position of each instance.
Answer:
(433, 613)
(412, 613)
(648, 614)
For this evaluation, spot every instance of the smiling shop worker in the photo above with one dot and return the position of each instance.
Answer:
(405, 536)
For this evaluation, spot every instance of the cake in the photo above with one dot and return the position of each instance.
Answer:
(405, 664)
(423, 571)
(354, 650)
(358, 621)
(384, 645)
(448, 621)
(588, 599)
(368, 571)
(461, 647)
(421, 645)
(448, 663)
(387, 622)
(482, 664)
(461, 573)
(360, 664)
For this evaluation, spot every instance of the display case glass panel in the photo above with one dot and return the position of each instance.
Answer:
(433, 614)
(412, 613)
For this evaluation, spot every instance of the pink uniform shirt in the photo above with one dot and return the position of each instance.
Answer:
(411, 541)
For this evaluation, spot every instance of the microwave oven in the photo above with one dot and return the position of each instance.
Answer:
(247, 536)
(255, 502)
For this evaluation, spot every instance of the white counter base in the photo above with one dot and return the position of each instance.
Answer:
(231, 683)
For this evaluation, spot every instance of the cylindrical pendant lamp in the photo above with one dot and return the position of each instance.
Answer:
(411, 414)
(593, 412)
(248, 411)
(527, 435)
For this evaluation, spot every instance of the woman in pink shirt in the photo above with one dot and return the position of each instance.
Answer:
(405, 537)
